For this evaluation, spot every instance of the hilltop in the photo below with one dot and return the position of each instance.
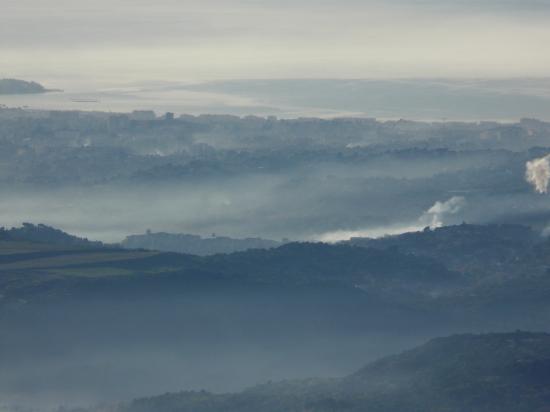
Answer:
(14, 86)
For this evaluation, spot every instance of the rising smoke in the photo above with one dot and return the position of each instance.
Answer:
(435, 215)
(538, 173)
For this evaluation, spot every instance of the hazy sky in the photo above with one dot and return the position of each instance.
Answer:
(128, 40)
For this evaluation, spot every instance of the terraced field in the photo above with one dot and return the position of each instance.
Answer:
(26, 264)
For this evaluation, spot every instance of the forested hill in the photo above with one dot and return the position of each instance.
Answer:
(40, 233)
(444, 263)
(28, 255)
(460, 239)
(507, 372)
(481, 251)
(326, 309)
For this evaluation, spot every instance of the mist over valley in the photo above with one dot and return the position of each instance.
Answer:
(274, 206)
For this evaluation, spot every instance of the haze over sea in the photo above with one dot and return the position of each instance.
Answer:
(414, 99)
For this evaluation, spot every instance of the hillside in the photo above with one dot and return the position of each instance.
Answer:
(44, 234)
(476, 373)
(483, 251)
(299, 310)
(38, 254)
(32, 256)
(268, 313)
(454, 270)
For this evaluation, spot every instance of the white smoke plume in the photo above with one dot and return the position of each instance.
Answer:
(435, 216)
(538, 173)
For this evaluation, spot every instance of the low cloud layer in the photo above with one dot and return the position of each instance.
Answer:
(190, 40)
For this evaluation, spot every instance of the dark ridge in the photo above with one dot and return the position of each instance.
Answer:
(40, 233)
